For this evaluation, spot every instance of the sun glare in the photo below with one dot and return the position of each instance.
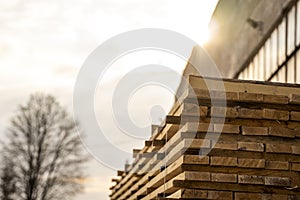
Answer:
(191, 18)
(204, 36)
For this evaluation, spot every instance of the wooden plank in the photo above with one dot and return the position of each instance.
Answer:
(248, 196)
(224, 178)
(196, 176)
(201, 194)
(120, 173)
(111, 187)
(173, 141)
(131, 171)
(229, 96)
(234, 187)
(127, 167)
(278, 148)
(115, 180)
(281, 132)
(124, 187)
(169, 145)
(169, 130)
(196, 143)
(148, 143)
(170, 119)
(194, 109)
(223, 161)
(219, 195)
(135, 152)
(250, 113)
(226, 145)
(158, 143)
(187, 142)
(251, 179)
(189, 194)
(296, 127)
(199, 93)
(251, 163)
(174, 195)
(250, 97)
(276, 114)
(278, 181)
(277, 165)
(294, 99)
(244, 85)
(167, 187)
(127, 181)
(248, 130)
(295, 167)
(148, 155)
(173, 170)
(278, 197)
(251, 146)
(173, 153)
(228, 112)
(227, 128)
(296, 149)
(196, 159)
(155, 129)
(261, 196)
(199, 127)
(178, 103)
(239, 170)
(216, 95)
(295, 116)
(275, 99)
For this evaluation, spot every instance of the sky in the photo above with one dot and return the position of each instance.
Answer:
(43, 45)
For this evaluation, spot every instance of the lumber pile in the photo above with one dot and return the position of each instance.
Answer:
(256, 156)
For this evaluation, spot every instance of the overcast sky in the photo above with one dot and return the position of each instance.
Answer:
(44, 43)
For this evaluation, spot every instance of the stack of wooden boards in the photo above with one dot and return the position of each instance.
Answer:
(257, 155)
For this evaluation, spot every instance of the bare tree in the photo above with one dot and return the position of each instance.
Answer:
(7, 181)
(44, 151)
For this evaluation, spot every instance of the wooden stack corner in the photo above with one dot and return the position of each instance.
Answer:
(256, 156)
